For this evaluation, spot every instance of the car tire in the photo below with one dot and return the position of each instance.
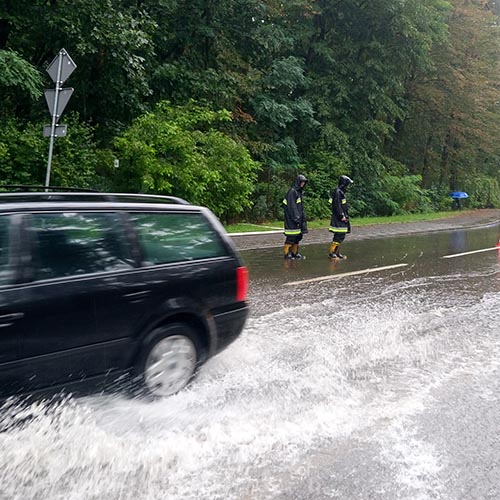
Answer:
(169, 360)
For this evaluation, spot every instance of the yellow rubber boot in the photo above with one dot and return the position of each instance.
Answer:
(338, 254)
(332, 249)
(295, 252)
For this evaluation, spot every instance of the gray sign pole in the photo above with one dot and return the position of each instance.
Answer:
(59, 70)
(55, 118)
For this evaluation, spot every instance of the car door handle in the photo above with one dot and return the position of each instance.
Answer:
(9, 319)
(137, 296)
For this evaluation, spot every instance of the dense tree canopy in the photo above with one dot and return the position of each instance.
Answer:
(223, 102)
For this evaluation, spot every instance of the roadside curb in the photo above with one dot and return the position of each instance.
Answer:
(469, 220)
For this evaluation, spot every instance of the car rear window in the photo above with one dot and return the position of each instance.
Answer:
(71, 244)
(4, 250)
(173, 237)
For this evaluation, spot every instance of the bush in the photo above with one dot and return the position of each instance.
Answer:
(484, 192)
(405, 193)
(177, 150)
(24, 155)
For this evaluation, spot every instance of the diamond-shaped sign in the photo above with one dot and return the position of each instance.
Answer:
(61, 67)
(62, 100)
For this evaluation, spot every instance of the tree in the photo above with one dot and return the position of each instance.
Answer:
(452, 132)
(23, 155)
(177, 150)
(109, 41)
(20, 82)
(387, 91)
(359, 57)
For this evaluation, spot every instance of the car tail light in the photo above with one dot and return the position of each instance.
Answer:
(241, 284)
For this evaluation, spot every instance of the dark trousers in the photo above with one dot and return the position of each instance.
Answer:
(293, 239)
(338, 237)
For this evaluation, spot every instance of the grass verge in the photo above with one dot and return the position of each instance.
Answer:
(358, 221)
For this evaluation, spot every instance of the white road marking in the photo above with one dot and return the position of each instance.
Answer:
(353, 273)
(252, 233)
(470, 253)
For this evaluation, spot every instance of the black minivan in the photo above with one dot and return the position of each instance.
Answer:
(96, 285)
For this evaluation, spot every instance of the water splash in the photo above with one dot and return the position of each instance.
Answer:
(297, 379)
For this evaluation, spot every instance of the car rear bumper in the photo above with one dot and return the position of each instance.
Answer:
(229, 325)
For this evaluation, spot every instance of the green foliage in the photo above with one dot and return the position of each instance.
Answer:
(483, 192)
(451, 134)
(328, 160)
(17, 77)
(177, 150)
(404, 194)
(24, 155)
(400, 95)
(76, 158)
(276, 105)
(110, 42)
(440, 198)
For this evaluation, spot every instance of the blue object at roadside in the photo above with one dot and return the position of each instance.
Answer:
(458, 195)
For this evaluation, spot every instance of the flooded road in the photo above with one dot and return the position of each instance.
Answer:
(380, 385)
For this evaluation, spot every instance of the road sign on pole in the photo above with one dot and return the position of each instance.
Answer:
(60, 130)
(64, 97)
(61, 67)
(59, 70)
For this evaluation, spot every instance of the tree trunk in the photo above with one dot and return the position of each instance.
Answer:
(444, 173)
(425, 165)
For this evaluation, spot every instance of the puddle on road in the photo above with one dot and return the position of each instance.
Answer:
(269, 271)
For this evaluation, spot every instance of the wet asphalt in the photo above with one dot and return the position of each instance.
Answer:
(462, 220)
(441, 438)
(418, 246)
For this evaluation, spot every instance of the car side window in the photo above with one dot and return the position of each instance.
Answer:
(5, 272)
(71, 244)
(175, 237)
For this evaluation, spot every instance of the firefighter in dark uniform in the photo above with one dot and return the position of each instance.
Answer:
(339, 223)
(295, 218)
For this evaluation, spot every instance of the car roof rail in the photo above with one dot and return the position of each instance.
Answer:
(36, 188)
(72, 192)
(145, 198)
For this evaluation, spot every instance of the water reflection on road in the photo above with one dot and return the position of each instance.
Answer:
(423, 252)
(333, 391)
